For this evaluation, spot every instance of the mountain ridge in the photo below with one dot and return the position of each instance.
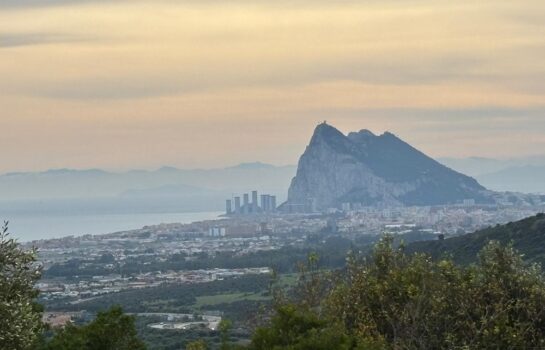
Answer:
(89, 183)
(362, 167)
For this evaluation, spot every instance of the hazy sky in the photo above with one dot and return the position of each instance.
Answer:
(205, 83)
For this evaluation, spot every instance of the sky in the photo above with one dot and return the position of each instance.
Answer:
(125, 84)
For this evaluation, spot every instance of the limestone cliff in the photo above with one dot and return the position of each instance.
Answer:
(374, 170)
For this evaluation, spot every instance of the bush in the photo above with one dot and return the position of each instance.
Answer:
(20, 316)
(111, 330)
(398, 301)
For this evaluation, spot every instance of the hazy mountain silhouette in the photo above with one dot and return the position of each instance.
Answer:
(522, 174)
(167, 189)
(375, 170)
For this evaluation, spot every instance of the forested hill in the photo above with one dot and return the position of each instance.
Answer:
(527, 236)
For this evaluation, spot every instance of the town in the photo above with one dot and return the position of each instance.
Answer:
(164, 253)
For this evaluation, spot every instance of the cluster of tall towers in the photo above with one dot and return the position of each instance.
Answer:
(268, 204)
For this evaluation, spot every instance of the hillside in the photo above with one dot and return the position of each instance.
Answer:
(527, 236)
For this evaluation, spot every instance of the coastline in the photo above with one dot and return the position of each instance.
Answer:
(27, 228)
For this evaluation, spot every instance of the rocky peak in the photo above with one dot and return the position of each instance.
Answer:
(325, 133)
(361, 136)
(368, 169)
(329, 137)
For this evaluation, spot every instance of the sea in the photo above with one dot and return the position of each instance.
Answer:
(30, 227)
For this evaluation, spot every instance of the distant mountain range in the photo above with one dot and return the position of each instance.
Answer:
(166, 189)
(524, 174)
(69, 183)
(374, 170)
(395, 171)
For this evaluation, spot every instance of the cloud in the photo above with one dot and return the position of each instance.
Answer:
(144, 77)
(212, 77)
(297, 3)
(11, 40)
(45, 3)
(165, 48)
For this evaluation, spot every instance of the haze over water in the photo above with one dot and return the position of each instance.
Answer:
(29, 227)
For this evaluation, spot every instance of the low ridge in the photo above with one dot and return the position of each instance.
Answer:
(527, 236)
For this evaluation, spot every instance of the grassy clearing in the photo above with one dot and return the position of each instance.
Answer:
(288, 279)
(227, 298)
(285, 280)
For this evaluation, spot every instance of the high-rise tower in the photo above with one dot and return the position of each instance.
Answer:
(272, 203)
(237, 205)
(255, 205)
(245, 203)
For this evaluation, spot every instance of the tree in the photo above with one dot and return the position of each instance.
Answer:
(20, 316)
(111, 330)
(299, 328)
(414, 302)
(392, 300)
(107, 258)
(197, 345)
(225, 327)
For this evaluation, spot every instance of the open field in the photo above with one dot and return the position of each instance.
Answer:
(228, 298)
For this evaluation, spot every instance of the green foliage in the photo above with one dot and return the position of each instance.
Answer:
(282, 260)
(228, 298)
(298, 329)
(415, 302)
(527, 236)
(20, 317)
(224, 327)
(172, 297)
(313, 283)
(397, 301)
(111, 330)
(197, 345)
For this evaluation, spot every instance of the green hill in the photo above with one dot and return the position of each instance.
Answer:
(527, 236)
